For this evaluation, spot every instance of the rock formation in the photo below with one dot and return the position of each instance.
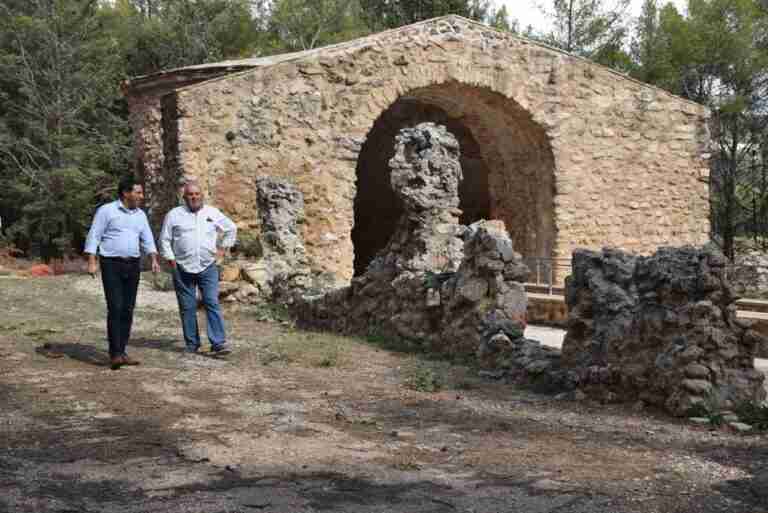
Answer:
(437, 283)
(662, 329)
(283, 271)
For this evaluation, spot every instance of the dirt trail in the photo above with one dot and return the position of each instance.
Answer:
(303, 422)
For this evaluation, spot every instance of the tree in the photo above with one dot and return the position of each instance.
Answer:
(306, 24)
(587, 27)
(61, 136)
(717, 56)
(384, 14)
(499, 19)
(731, 75)
(647, 46)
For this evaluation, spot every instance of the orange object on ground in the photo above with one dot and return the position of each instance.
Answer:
(40, 270)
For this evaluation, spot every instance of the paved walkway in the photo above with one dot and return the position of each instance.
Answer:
(553, 337)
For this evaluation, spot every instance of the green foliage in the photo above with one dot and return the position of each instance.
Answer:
(62, 133)
(717, 55)
(64, 136)
(589, 28)
(756, 415)
(499, 19)
(305, 24)
(272, 312)
(423, 376)
(433, 280)
(384, 14)
(329, 359)
(249, 244)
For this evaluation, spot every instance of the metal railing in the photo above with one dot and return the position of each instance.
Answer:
(547, 274)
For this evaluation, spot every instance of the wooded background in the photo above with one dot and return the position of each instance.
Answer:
(65, 139)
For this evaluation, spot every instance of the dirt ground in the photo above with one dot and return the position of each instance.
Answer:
(295, 421)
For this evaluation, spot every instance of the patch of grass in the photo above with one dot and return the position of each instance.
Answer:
(162, 282)
(392, 343)
(756, 415)
(271, 312)
(306, 349)
(406, 463)
(710, 409)
(42, 333)
(406, 466)
(7, 328)
(275, 357)
(330, 359)
(423, 376)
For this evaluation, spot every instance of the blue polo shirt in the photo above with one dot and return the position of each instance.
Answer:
(117, 231)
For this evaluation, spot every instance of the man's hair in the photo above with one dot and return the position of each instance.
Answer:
(191, 183)
(126, 185)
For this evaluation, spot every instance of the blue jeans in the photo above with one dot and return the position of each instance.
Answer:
(186, 285)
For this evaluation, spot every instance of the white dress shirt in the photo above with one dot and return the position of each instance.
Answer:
(189, 237)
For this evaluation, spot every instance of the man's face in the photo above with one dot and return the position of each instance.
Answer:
(193, 197)
(134, 198)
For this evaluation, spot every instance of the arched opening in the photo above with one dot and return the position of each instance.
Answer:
(505, 156)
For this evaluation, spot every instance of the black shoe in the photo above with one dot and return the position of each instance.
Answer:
(221, 350)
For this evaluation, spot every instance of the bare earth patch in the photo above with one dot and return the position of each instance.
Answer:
(301, 422)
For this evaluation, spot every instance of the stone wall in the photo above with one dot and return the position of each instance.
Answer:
(662, 329)
(146, 121)
(749, 274)
(577, 155)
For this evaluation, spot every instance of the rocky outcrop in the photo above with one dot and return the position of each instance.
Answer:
(282, 272)
(662, 329)
(438, 284)
(425, 175)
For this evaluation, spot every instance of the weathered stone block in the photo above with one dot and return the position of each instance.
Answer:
(662, 328)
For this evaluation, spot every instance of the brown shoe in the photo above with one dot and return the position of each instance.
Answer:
(115, 362)
(129, 361)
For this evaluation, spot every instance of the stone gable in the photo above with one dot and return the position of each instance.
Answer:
(566, 152)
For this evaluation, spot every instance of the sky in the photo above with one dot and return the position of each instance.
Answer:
(527, 13)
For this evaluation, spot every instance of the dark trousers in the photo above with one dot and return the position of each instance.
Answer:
(120, 278)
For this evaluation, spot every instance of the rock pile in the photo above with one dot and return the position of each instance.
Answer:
(437, 284)
(662, 329)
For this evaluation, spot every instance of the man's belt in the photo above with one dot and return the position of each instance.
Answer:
(121, 259)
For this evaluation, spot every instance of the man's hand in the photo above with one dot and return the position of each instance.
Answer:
(93, 266)
(155, 264)
(220, 254)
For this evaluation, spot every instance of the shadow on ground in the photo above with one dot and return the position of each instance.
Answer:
(80, 352)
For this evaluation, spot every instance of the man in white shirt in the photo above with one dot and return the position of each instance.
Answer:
(188, 241)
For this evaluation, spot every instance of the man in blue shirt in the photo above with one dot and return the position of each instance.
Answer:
(118, 234)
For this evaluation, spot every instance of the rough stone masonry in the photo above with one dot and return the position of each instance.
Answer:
(438, 284)
(662, 329)
(565, 152)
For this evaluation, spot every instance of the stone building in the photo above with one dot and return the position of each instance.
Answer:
(566, 152)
